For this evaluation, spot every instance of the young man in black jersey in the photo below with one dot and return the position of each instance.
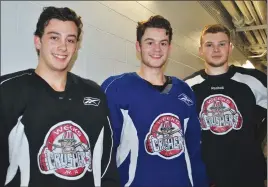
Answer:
(232, 108)
(55, 129)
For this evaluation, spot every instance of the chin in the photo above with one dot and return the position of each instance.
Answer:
(157, 65)
(60, 68)
(216, 65)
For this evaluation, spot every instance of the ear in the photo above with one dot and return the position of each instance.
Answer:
(138, 47)
(200, 51)
(78, 46)
(169, 48)
(37, 42)
(231, 47)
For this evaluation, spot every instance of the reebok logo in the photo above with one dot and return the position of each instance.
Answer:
(91, 101)
(185, 99)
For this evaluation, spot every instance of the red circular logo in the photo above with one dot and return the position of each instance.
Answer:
(165, 138)
(220, 115)
(65, 152)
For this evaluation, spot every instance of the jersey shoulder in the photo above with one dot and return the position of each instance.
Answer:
(195, 78)
(15, 83)
(14, 91)
(86, 85)
(182, 86)
(251, 73)
(117, 82)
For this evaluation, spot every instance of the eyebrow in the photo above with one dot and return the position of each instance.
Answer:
(70, 35)
(165, 40)
(219, 41)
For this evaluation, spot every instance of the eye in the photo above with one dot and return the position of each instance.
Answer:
(164, 44)
(222, 44)
(54, 37)
(150, 43)
(208, 45)
(71, 40)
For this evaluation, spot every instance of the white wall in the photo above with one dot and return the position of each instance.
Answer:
(108, 45)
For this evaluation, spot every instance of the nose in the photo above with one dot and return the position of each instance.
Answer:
(62, 46)
(216, 48)
(157, 47)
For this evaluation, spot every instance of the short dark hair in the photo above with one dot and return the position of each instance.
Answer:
(154, 22)
(63, 14)
(215, 28)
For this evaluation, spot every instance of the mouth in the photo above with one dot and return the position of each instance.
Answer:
(60, 57)
(216, 57)
(156, 56)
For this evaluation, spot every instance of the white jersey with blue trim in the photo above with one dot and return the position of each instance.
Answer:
(156, 133)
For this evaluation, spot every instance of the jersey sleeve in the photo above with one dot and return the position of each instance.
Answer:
(261, 109)
(116, 115)
(124, 133)
(4, 140)
(110, 176)
(261, 89)
(103, 163)
(12, 104)
(257, 81)
(193, 144)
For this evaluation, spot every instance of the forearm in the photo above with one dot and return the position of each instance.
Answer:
(4, 161)
(110, 176)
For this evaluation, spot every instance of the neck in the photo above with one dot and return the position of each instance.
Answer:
(216, 70)
(57, 80)
(153, 75)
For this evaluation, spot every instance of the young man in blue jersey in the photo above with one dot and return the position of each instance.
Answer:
(232, 106)
(153, 117)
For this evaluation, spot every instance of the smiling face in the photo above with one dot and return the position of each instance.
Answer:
(154, 48)
(215, 49)
(57, 45)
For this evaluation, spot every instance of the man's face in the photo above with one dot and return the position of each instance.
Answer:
(154, 47)
(57, 45)
(215, 49)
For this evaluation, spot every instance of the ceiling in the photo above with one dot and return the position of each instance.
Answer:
(243, 18)
(247, 21)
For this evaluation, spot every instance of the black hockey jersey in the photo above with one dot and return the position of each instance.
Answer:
(230, 107)
(51, 138)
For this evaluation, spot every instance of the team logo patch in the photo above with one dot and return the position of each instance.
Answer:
(220, 115)
(185, 99)
(66, 152)
(165, 138)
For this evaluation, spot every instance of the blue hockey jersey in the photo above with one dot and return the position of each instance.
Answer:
(156, 134)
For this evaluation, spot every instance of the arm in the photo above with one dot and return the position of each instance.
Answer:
(257, 81)
(109, 174)
(104, 167)
(260, 112)
(124, 133)
(193, 143)
(12, 106)
(261, 118)
(261, 109)
(115, 114)
(112, 132)
(4, 162)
